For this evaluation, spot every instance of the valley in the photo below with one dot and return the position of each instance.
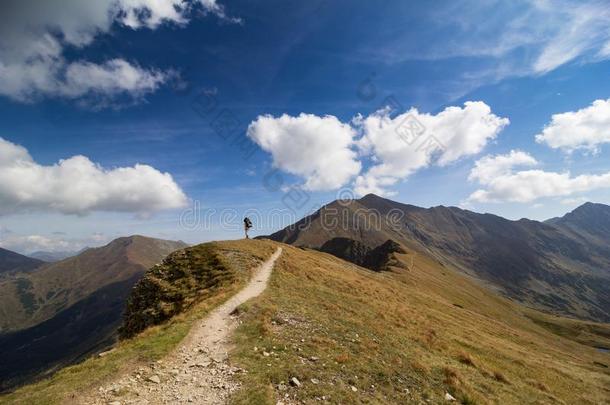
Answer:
(59, 313)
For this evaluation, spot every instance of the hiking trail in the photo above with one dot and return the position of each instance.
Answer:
(197, 371)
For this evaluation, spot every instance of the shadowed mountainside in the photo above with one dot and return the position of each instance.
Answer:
(66, 310)
(562, 265)
(11, 262)
(377, 259)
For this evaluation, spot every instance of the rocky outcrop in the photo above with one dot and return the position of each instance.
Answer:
(377, 259)
(167, 289)
(382, 257)
(347, 249)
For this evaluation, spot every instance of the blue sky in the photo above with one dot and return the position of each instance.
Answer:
(277, 106)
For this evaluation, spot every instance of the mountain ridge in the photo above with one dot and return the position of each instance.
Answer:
(558, 267)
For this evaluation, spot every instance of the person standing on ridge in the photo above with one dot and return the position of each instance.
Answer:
(247, 226)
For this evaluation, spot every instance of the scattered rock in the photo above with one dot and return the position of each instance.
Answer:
(354, 389)
(106, 353)
(295, 382)
(315, 381)
(154, 379)
(266, 354)
(449, 397)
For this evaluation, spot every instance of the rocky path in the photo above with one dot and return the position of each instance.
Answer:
(198, 371)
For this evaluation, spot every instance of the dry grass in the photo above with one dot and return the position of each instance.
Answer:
(399, 337)
(406, 336)
(466, 358)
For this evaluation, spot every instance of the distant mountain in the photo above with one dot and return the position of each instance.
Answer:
(51, 257)
(11, 262)
(562, 266)
(63, 311)
(589, 220)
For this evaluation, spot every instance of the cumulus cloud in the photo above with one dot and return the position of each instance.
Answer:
(488, 168)
(318, 149)
(78, 186)
(502, 182)
(34, 36)
(326, 153)
(586, 129)
(414, 140)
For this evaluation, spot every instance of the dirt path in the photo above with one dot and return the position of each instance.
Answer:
(198, 371)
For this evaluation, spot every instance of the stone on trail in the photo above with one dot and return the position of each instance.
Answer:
(295, 382)
(154, 379)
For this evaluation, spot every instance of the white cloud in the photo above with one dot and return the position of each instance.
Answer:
(587, 128)
(78, 79)
(488, 168)
(27, 244)
(32, 243)
(510, 38)
(582, 29)
(503, 183)
(34, 36)
(604, 53)
(322, 150)
(574, 201)
(318, 149)
(413, 140)
(78, 186)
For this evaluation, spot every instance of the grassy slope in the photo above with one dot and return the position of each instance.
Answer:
(149, 346)
(396, 337)
(404, 336)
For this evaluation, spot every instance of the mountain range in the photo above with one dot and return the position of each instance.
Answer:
(561, 265)
(373, 293)
(441, 269)
(57, 313)
(51, 257)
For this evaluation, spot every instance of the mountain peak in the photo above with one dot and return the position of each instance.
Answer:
(587, 210)
(371, 197)
(590, 205)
